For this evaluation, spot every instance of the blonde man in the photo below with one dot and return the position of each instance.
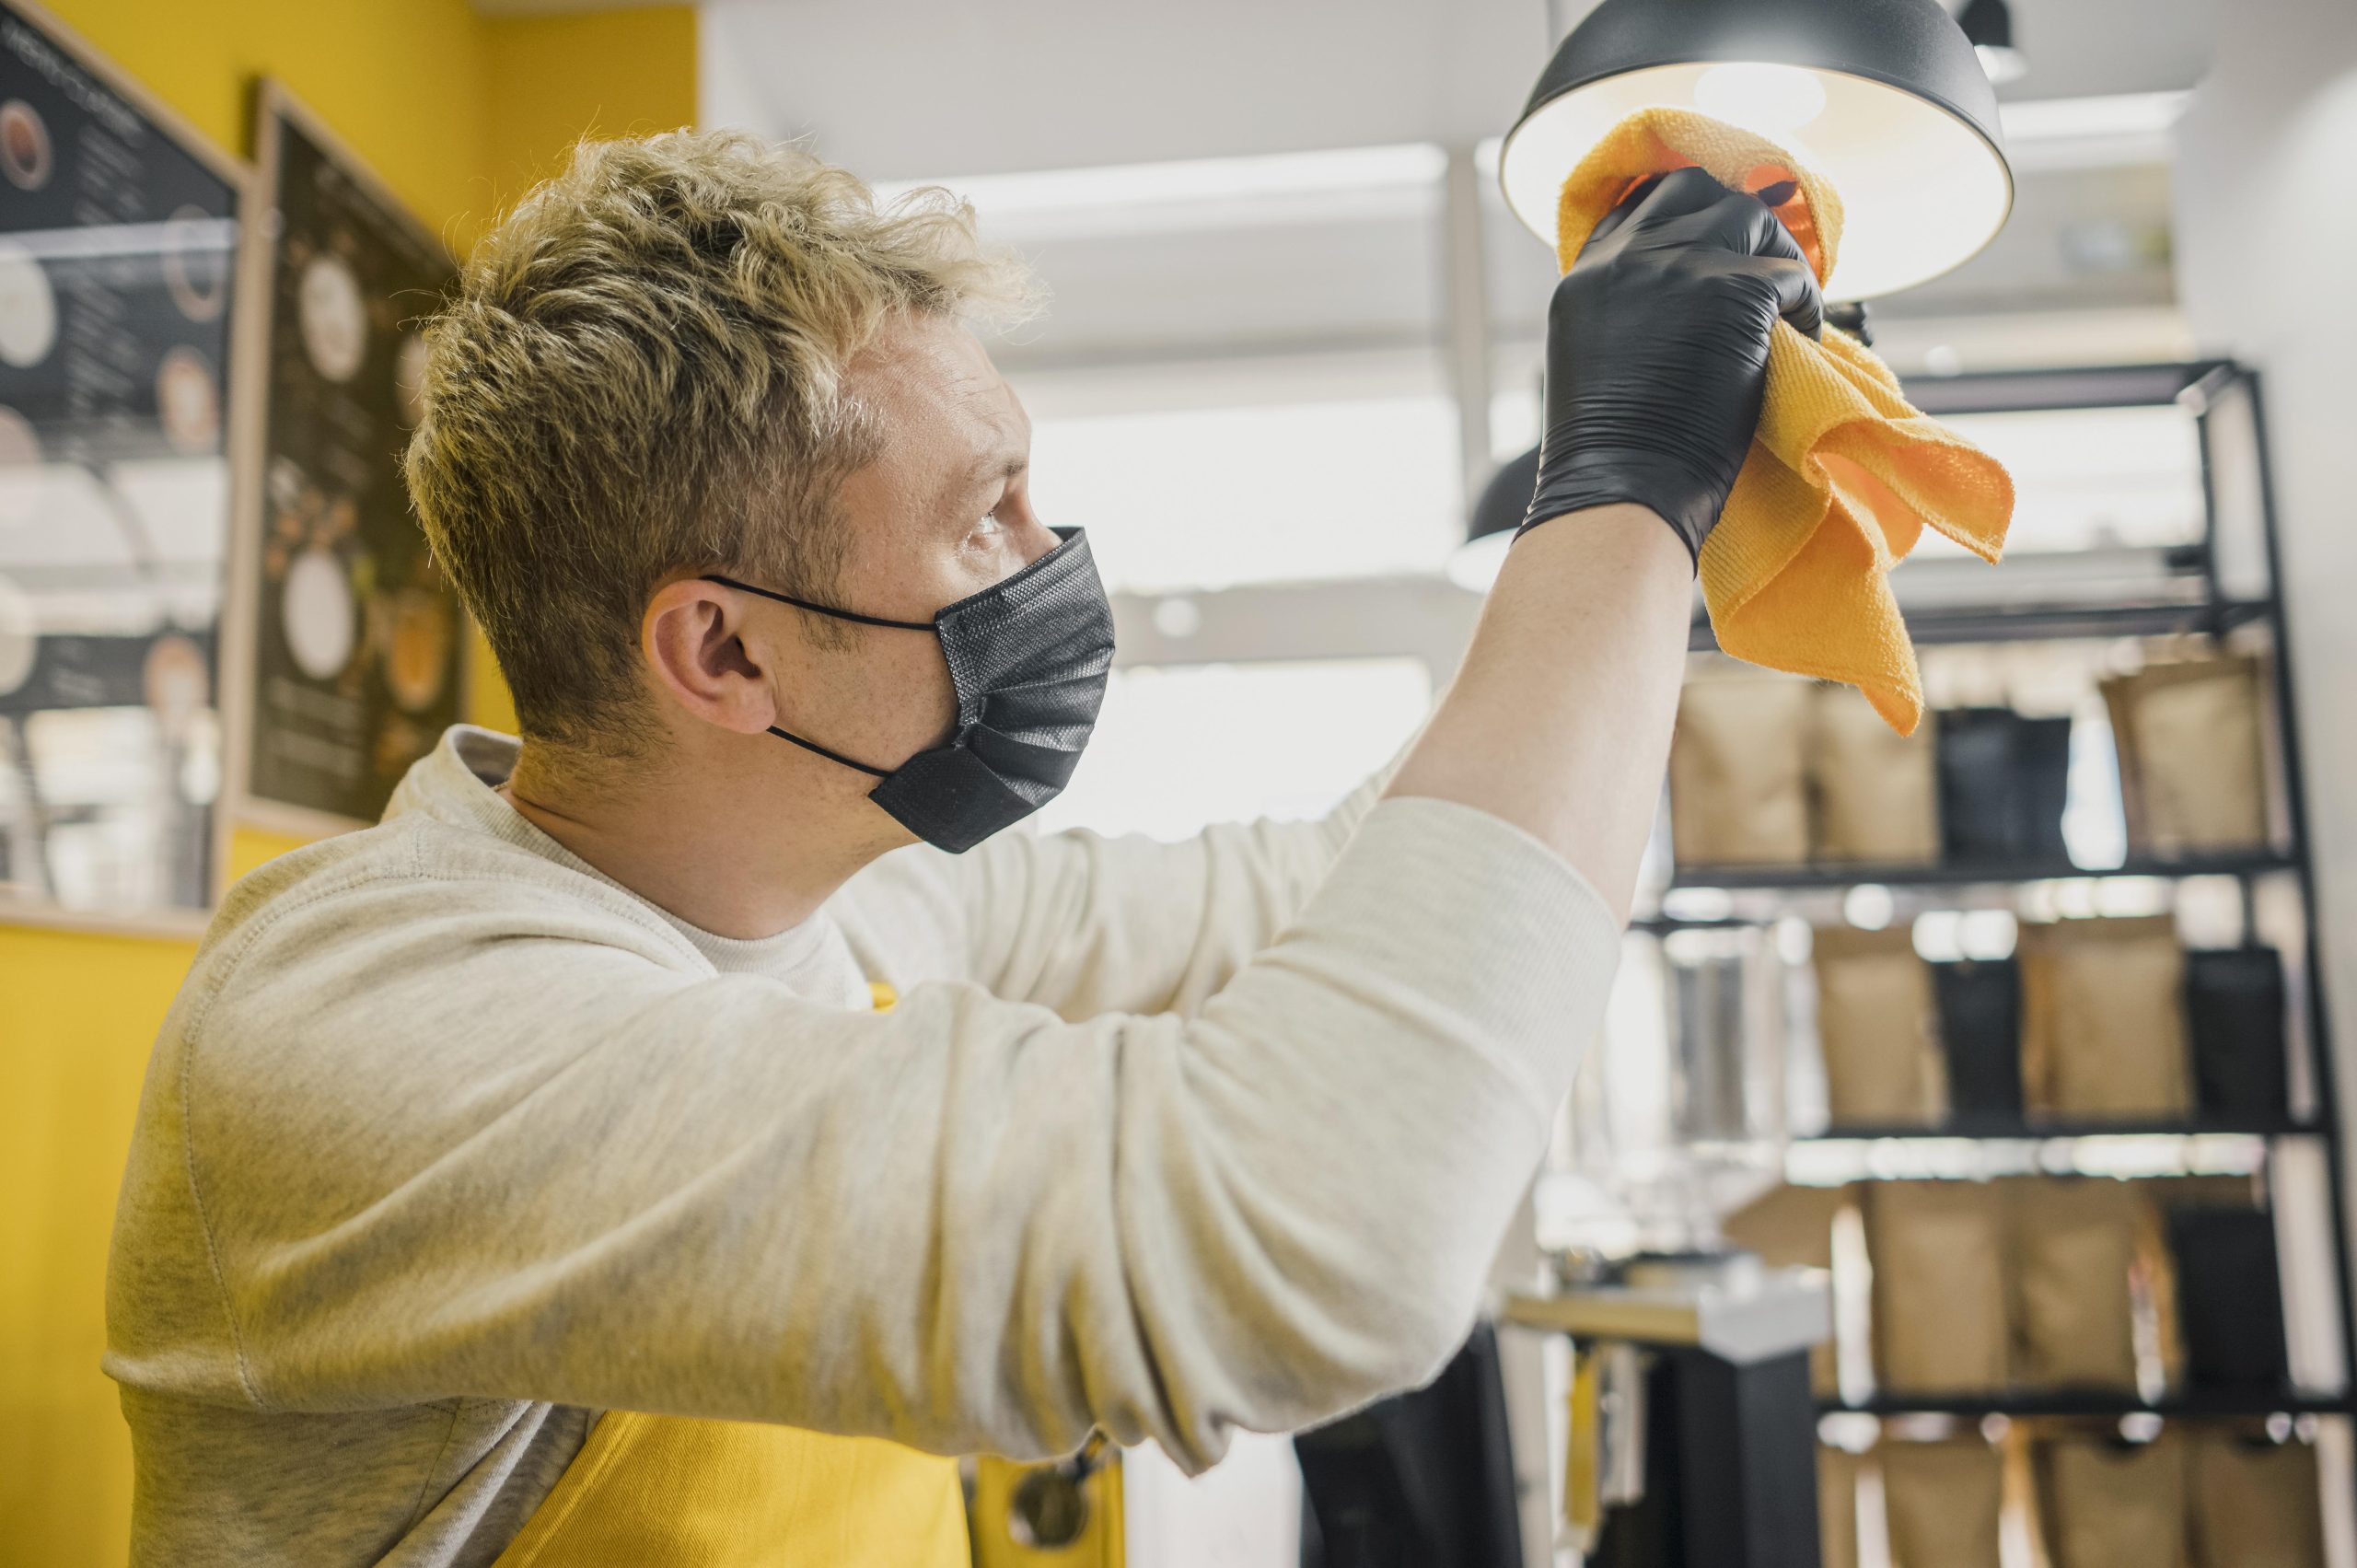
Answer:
(642, 1149)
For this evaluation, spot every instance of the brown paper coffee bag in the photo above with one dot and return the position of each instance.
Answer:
(1943, 1500)
(2255, 1502)
(2192, 755)
(1737, 795)
(1837, 1506)
(2105, 1503)
(2103, 1021)
(1879, 1027)
(1940, 1311)
(1873, 792)
(2074, 1253)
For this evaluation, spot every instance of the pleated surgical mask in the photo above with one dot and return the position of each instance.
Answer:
(1028, 657)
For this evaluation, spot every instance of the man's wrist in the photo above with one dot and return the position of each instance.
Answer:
(1687, 502)
(1628, 528)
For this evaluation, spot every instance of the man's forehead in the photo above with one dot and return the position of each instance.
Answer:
(950, 423)
(933, 376)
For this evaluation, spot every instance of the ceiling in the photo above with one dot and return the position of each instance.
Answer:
(908, 89)
(905, 89)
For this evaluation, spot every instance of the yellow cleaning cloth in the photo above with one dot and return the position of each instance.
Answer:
(1843, 475)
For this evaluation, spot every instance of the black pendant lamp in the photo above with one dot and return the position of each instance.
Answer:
(1504, 503)
(1990, 24)
(1885, 98)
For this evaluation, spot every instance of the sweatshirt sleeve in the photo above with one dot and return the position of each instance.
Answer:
(544, 1166)
(1084, 923)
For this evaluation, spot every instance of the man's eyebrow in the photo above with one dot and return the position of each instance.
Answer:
(991, 467)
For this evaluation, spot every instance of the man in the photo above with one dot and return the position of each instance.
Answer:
(640, 1148)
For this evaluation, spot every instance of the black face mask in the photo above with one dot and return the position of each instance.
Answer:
(1029, 658)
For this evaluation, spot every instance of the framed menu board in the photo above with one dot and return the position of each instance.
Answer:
(350, 658)
(119, 237)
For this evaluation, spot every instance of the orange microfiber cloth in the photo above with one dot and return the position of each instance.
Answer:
(1843, 475)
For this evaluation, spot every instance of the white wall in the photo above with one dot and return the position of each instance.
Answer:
(2266, 271)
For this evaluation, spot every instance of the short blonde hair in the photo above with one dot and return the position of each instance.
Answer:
(642, 372)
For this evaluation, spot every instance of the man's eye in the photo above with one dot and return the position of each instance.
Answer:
(988, 524)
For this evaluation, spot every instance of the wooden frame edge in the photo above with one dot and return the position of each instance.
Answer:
(249, 352)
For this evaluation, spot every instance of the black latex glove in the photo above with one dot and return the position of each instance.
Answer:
(1657, 351)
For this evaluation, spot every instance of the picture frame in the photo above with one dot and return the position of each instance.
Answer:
(152, 155)
(351, 653)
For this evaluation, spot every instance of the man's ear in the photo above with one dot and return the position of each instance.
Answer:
(693, 635)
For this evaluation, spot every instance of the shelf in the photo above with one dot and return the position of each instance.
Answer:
(2052, 622)
(1822, 879)
(2061, 386)
(2192, 1403)
(2044, 1132)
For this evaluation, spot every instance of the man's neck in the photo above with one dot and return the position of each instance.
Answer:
(736, 860)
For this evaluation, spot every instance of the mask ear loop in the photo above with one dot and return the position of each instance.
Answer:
(830, 756)
(820, 609)
(813, 746)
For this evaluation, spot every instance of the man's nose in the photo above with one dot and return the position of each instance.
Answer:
(1037, 540)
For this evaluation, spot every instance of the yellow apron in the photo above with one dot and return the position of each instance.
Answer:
(668, 1491)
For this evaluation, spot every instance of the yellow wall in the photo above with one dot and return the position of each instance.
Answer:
(614, 72)
(562, 76)
(457, 114)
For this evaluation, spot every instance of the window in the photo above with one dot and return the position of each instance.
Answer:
(1261, 471)
(2087, 479)
(1183, 746)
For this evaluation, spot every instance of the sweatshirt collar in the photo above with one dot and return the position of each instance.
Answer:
(457, 783)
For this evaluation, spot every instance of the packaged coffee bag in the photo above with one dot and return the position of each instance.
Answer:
(1943, 1500)
(2255, 1502)
(2002, 781)
(2192, 763)
(1940, 1270)
(1876, 1023)
(1874, 792)
(1737, 789)
(2075, 1244)
(2103, 1030)
(1980, 1039)
(2229, 1299)
(2107, 1504)
(2164, 1197)
(1837, 1506)
(2234, 1005)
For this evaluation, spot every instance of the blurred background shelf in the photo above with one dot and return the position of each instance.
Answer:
(2058, 621)
(2190, 1403)
(1835, 877)
(2044, 1132)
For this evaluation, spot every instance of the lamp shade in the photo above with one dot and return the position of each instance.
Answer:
(1506, 500)
(1990, 24)
(1884, 98)
(1499, 511)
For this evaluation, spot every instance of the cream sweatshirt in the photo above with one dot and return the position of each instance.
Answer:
(451, 1143)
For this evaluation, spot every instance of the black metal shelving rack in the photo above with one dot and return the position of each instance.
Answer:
(2213, 586)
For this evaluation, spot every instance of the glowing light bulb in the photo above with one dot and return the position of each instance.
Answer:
(1770, 100)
